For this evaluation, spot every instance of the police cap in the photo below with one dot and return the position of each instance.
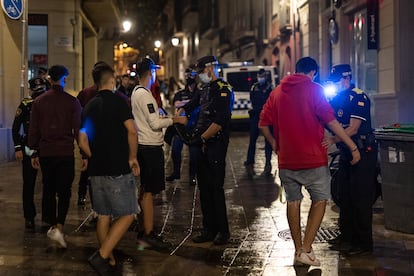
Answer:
(261, 73)
(206, 61)
(37, 84)
(146, 64)
(340, 71)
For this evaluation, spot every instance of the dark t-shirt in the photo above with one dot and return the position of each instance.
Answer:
(103, 120)
(353, 103)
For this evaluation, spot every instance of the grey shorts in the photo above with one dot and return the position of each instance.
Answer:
(316, 181)
(114, 195)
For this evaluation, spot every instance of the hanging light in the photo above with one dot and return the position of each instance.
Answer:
(126, 25)
(175, 41)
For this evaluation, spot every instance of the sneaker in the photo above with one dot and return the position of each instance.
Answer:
(267, 171)
(172, 177)
(81, 202)
(100, 265)
(307, 258)
(250, 170)
(154, 241)
(221, 238)
(55, 235)
(204, 236)
(29, 224)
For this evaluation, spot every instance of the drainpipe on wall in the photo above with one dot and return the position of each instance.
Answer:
(24, 49)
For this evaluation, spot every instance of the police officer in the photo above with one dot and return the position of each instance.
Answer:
(23, 153)
(259, 93)
(181, 98)
(211, 136)
(357, 183)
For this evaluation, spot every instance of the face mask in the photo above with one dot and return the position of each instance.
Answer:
(261, 80)
(204, 77)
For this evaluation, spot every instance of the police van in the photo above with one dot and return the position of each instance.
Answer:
(241, 77)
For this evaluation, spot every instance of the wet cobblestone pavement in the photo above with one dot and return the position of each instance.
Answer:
(260, 243)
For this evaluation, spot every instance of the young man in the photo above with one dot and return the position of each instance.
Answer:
(54, 125)
(108, 137)
(357, 188)
(150, 152)
(22, 151)
(298, 111)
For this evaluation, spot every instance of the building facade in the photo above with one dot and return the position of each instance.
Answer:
(374, 36)
(73, 33)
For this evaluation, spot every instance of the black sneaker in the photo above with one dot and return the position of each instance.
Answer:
(100, 265)
(172, 177)
(154, 241)
(29, 224)
(267, 172)
(250, 170)
(204, 236)
(221, 238)
(81, 201)
(336, 240)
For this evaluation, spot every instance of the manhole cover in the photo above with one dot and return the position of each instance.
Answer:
(323, 235)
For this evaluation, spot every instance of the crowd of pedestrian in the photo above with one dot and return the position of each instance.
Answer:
(120, 133)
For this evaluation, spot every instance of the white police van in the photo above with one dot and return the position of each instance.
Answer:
(241, 76)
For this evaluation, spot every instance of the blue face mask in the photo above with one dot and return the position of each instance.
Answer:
(261, 80)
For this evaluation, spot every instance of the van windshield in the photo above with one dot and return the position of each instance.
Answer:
(242, 81)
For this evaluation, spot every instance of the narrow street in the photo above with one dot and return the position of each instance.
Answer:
(260, 243)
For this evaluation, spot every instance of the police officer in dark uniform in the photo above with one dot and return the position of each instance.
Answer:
(181, 98)
(23, 153)
(259, 93)
(211, 136)
(357, 183)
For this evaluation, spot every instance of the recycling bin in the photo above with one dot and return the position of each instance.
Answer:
(396, 147)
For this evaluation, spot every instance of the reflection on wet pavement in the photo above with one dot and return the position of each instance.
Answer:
(260, 243)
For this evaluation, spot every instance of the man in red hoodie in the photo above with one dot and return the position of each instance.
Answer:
(298, 111)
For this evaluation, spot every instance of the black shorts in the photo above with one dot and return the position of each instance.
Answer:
(151, 162)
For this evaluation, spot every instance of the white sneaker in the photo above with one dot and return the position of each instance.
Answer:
(303, 257)
(54, 234)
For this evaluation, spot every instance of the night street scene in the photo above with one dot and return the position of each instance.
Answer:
(189, 137)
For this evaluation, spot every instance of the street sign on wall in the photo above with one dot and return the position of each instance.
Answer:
(12, 8)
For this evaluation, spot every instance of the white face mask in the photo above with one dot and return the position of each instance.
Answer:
(204, 77)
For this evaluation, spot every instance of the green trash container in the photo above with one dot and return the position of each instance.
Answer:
(396, 147)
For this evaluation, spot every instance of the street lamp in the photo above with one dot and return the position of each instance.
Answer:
(175, 41)
(157, 44)
(126, 25)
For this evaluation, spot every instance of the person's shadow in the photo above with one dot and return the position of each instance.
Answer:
(303, 271)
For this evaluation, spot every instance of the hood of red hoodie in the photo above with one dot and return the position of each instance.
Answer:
(293, 82)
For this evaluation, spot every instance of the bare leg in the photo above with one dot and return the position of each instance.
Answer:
(147, 206)
(116, 232)
(315, 217)
(293, 216)
(102, 230)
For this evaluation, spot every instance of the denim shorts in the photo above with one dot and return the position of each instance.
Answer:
(114, 195)
(316, 181)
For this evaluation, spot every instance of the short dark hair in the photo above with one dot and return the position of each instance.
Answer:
(305, 65)
(99, 71)
(56, 72)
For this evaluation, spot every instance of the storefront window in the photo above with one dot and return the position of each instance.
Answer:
(363, 61)
(37, 44)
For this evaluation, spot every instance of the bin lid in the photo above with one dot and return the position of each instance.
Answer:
(396, 132)
(397, 127)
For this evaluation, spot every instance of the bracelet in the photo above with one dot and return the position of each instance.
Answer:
(355, 149)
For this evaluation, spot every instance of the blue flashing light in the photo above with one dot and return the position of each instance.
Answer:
(330, 90)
